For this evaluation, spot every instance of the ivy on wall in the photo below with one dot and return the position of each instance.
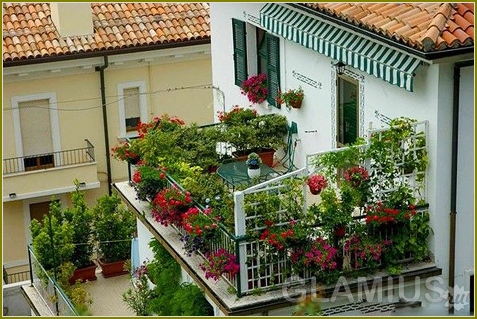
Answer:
(170, 297)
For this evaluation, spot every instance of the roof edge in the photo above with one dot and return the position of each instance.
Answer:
(429, 55)
(95, 54)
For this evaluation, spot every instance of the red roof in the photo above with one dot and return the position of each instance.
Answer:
(29, 33)
(424, 26)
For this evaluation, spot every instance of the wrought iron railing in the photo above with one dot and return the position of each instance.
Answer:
(49, 160)
(49, 290)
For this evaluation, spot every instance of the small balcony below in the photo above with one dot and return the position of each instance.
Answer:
(38, 175)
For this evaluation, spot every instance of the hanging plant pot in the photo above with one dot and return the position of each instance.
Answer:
(339, 231)
(315, 191)
(295, 104)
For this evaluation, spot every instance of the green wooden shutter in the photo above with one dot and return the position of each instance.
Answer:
(273, 68)
(240, 51)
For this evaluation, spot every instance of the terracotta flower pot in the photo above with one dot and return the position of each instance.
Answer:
(112, 269)
(315, 191)
(84, 274)
(340, 231)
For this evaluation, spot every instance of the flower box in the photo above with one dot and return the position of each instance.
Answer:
(84, 274)
(112, 269)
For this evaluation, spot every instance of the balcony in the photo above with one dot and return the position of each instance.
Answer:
(42, 174)
(369, 224)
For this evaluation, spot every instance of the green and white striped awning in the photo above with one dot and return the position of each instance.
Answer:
(371, 57)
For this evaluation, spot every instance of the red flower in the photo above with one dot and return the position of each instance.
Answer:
(316, 183)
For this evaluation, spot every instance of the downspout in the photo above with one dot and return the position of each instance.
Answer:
(100, 69)
(453, 182)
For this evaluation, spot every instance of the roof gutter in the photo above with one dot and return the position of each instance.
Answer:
(423, 55)
(104, 53)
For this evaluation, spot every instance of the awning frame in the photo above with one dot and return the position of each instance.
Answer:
(393, 66)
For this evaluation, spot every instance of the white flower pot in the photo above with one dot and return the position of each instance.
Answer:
(253, 172)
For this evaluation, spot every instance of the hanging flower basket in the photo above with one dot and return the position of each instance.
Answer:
(316, 183)
(255, 88)
(291, 98)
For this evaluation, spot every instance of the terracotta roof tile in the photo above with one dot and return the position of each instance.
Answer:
(425, 26)
(29, 32)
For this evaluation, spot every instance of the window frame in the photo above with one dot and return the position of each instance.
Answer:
(340, 113)
(54, 123)
(141, 85)
(239, 26)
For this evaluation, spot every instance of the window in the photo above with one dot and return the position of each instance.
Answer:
(36, 134)
(132, 107)
(347, 110)
(240, 51)
(36, 127)
(268, 51)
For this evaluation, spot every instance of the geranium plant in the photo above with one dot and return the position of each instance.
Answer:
(197, 223)
(316, 183)
(169, 205)
(379, 214)
(124, 152)
(255, 88)
(237, 115)
(320, 255)
(148, 181)
(356, 175)
(292, 97)
(165, 123)
(361, 251)
(219, 263)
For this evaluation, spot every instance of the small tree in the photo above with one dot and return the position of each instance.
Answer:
(113, 225)
(80, 218)
(52, 241)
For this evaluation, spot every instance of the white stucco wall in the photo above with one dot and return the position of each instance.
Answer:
(432, 100)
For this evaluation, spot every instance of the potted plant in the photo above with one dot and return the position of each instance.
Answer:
(316, 183)
(253, 165)
(292, 97)
(52, 243)
(113, 226)
(218, 263)
(169, 205)
(247, 133)
(148, 181)
(124, 152)
(80, 218)
(255, 88)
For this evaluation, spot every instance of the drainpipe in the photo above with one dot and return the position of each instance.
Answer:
(453, 199)
(100, 69)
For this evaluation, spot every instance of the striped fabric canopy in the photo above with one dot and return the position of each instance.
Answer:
(371, 57)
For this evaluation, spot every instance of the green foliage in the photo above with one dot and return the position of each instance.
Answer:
(80, 218)
(138, 297)
(152, 180)
(333, 211)
(78, 292)
(261, 132)
(420, 231)
(113, 227)
(189, 300)
(170, 298)
(52, 241)
(333, 162)
(199, 146)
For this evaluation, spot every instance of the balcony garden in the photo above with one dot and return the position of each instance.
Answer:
(358, 209)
